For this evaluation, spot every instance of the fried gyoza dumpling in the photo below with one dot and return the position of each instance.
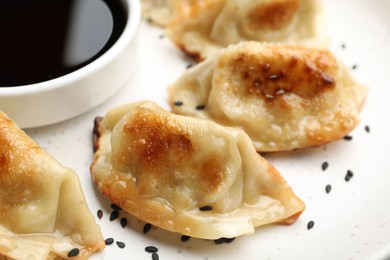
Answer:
(188, 175)
(213, 24)
(161, 12)
(43, 212)
(284, 97)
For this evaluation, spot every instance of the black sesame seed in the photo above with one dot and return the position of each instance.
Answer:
(324, 166)
(224, 240)
(115, 207)
(100, 214)
(178, 103)
(348, 137)
(367, 128)
(114, 215)
(310, 225)
(73, 252)
(151, 249)
(219, 241)
(343, 46)
(155, 256)
(200, 107)
(109, 241)
(349, 175)
(328, 188)
(120, 244)
(189, 65)
(161, 36)
(354, 67)
(147, 228)
(185, 238)
(229, 240)
(206, 208)
(150, 20)
(123, 222)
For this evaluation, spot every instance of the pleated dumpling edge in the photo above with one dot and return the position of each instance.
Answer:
(284, 97)
(188, 175)
(43, 211)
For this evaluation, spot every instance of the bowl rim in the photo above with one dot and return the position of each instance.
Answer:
(133, 8)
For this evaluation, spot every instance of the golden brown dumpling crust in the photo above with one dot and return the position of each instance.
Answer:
(153, 141)
(43, 212)
(284, 97)
(163, 168)
(281, 70)
(214, 24)
(273, 14)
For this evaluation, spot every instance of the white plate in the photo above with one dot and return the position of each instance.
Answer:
(351, 222)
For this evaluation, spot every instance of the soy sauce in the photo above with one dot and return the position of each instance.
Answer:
(45, 39)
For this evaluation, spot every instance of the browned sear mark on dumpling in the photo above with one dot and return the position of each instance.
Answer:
(158, 147)
(273, 15)
(288, 73)
(96, 133)
(155, 137)
(195, 55)
(15, 151)
(211, 174)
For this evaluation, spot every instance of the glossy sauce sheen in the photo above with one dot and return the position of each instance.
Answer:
(45, 39)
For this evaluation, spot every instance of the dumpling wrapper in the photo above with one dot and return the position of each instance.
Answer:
(214, 24)
(161, 12)
(284, 97)
(157, 11)
(43, 212)
(163, 168)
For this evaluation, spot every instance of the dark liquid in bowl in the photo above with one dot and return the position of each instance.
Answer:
(45, 39)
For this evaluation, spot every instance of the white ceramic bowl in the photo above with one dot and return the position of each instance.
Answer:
(70, 95)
